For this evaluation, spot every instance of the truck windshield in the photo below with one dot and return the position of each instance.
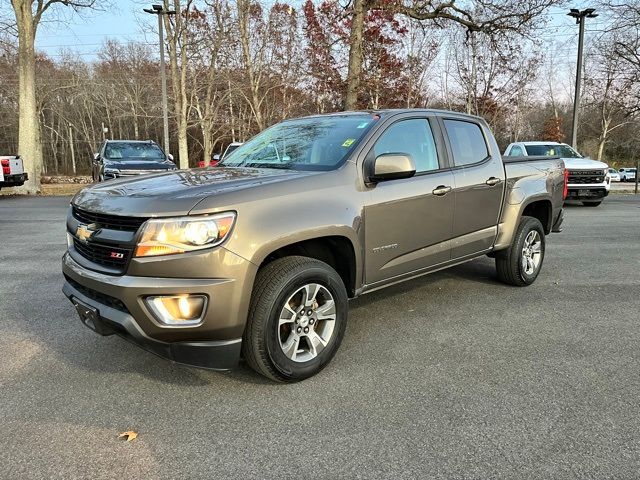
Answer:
(132, 151)
(306, 144)
(562, 151)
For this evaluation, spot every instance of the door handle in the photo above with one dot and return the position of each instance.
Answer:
(441, 190)
(492, 181)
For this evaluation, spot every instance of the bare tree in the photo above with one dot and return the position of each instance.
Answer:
(490, 18)
(612, 88)
(211, 31)
(177, 33)
(28, 14)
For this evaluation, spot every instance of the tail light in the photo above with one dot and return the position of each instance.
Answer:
(565, 190)
(6, 169)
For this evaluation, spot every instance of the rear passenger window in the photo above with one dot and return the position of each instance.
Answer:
(467, 142)
(410, 137)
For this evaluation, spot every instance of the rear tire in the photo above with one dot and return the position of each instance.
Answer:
(281, 340)
(591, 204)
(521, 263)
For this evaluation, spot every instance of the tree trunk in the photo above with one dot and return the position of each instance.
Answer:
(355, 55)
(207, 140)
(254, 79)
(176, 38)
(29, 146)
(472, 96)
(603, 138)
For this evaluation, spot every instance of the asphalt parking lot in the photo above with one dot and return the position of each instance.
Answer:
(449, 376)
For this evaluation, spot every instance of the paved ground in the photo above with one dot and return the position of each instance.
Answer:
(623, 187)
(450, 376)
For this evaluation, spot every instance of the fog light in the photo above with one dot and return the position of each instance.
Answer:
(178, 310)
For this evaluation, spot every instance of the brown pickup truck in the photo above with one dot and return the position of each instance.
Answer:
(259, 256)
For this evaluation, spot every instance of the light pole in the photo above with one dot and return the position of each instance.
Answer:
(579, 15)
(160, 11)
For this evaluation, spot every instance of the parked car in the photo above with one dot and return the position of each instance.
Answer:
(215, 159)
(230, 148)
(261, 255)
(126, 158)
(12, 172)
(627, 174)
(614, 175)
(589, 181)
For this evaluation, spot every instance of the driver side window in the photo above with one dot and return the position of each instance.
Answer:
(410, 137)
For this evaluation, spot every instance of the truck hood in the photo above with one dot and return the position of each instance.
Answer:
(583, 164)
(173, 193)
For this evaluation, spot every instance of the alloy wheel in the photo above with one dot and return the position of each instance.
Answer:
(307, 322)
(531, 252)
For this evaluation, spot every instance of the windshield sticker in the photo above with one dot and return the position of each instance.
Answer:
(363, 124)
(348, 142)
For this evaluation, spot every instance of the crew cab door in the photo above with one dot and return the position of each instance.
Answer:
(479, 178)
(408, 221)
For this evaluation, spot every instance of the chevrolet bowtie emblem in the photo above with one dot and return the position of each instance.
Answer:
(85, 232)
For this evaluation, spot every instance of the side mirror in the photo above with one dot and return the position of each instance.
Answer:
(216, 157)
(96, 156)
(392, 166)
(170, 157)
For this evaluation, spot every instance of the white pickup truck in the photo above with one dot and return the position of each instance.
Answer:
(589, 180)
(12, 173)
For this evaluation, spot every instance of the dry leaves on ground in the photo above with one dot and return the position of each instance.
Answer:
(129, 436)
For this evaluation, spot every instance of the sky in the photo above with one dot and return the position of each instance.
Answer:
(124, 20)
(84, 33)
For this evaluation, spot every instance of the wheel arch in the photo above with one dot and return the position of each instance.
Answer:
(542, 209)
(335, 249)
(538, 206)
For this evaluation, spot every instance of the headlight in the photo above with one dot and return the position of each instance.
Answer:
(183, 234)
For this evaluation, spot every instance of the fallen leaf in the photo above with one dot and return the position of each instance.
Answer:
(129, 436)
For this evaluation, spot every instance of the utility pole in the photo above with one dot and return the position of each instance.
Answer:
(160, 11)
(580, 16)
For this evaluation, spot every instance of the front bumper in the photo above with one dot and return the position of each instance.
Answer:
(111, 304)
(586, 192)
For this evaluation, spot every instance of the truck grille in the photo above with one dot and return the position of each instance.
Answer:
(581, 177)
(109, 222)
(108, 256)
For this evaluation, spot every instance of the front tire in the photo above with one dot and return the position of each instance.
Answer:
(591, 204)
(521, 263)
(297, 319)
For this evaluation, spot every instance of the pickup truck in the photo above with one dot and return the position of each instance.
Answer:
(589, 180)
(12, 173)
(259, 256)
